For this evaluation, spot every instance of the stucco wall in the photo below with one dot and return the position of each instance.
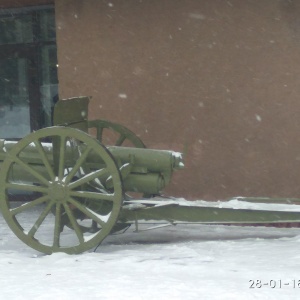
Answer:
(217, 80)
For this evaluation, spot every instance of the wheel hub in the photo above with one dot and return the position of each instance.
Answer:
(58, 191)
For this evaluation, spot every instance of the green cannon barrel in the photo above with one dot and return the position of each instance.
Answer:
(149, 170)
(143, 170)
(153, 160)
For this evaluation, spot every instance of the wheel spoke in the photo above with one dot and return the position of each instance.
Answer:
(57, 226)
(74, 223)
(26, 187)
(120, 140)
(87, 212)
(30, 170)
(45, 159)
(92, 195)
(87, 178)
(40, 219)
(28, 205)
(62, 152)
(79, 162)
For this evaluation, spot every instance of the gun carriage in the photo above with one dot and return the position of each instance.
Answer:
(81, 188)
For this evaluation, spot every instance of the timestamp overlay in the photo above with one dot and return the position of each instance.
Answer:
(274, 284)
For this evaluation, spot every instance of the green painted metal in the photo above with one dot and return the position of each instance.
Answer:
(143, 170)
(175, 212)
(72, 112)
(79, 186)
(66, 193)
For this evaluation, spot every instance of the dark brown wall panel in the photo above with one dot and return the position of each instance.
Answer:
(217, 80)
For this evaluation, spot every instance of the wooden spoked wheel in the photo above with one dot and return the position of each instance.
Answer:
(48, 164)
(113, 134)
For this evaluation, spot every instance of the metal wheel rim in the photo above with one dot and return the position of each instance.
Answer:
(124, 133)
(47, 188)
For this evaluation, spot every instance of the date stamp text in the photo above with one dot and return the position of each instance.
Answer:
(274, 284)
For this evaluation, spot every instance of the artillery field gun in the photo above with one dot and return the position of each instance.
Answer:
(79, 189)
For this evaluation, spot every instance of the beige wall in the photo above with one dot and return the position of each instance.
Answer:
(217, 80)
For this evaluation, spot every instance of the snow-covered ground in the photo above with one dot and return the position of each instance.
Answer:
(176, 262)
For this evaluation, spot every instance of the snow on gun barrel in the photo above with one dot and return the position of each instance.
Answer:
(142, 170)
